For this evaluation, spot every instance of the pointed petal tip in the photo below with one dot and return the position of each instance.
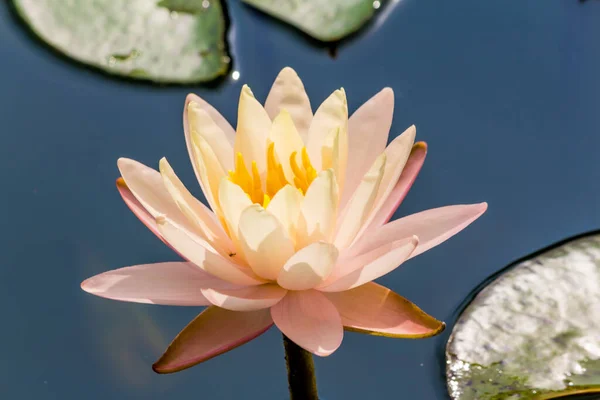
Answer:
(162, 369)
(123, 161)
(163, 164)
(420, 146)
(437, 328)
(246, 90)
(288, 71)
(191, 98)
(84, 285)
(387, 92)
(213, 332)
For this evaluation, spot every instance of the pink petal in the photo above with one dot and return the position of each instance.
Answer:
(403, 185)
(431, 226)
(368, 130)
(245, 298)
(376, 310)
(309, 320)
(136, 207)
(146, 184)
(199, 252)
(369, 266)
(168, 283)
(213, 332)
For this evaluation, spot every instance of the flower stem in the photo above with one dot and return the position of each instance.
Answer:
(301, 372)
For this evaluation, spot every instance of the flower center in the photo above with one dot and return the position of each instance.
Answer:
(250, 181)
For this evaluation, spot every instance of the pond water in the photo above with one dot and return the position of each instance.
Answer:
(505, 93)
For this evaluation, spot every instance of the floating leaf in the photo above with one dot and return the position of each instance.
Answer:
(171, 41)
(533, 332)
(325, 20)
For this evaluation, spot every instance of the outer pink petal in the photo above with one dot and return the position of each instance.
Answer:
(248, 298)
(213, 332)
(406, 180)
(147, 185)
(169, 283)
(431, 226)
(369, 266)
(376, 310)
(368, 130)
(137, 208)
(309, 320)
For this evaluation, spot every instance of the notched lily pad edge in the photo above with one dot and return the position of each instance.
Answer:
(135, 76)
(539, 395)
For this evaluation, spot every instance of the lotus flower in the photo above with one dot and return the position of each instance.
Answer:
(297, 228)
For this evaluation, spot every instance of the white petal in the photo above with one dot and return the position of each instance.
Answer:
(199, 253)
(265, 242)
(319, 210)
(233, 201)
(309, 267)
(288, 94)
(361, 203)
(252, 130)
(332, 114)
(215, 116)
(209, 169)
(147, 186)
(286, 140)
(285, 206)
(205, 220)
(201, 122)
(247, 298)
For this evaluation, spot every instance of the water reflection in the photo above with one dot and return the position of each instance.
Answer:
(125, 339)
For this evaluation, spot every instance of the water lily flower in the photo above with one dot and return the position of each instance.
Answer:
(297, 229)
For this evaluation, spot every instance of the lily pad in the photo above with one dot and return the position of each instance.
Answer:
(534, 331)
(169, 41)
(325, 20)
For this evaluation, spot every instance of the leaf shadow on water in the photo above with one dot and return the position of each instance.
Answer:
(332, 48)
(442, 355)
(21, 26)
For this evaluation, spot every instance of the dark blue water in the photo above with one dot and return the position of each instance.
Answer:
(506, 93)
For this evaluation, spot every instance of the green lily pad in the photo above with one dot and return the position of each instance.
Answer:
(325, 20)
(534, 331)
(168, 41)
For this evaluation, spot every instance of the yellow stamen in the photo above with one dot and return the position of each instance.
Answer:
(241, 176)
(257, 193)
(275, 180)
(311, 173)
(275, 176)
